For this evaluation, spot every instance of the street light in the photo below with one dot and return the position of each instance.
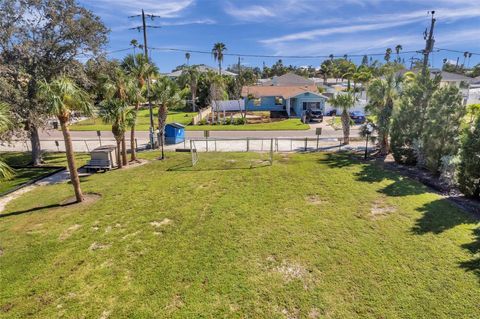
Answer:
(369, 130)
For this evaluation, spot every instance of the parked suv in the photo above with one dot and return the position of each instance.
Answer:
(314, 115)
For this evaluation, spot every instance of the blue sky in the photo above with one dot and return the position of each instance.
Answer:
(292, 27)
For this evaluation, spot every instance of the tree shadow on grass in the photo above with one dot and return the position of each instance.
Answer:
(439, 216)
(373, 173)
(34, 209)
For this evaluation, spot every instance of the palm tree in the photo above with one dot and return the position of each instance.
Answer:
(345, 101)
(383, 92)
(190, 76)
(141, 69)
(167, 95)
(5, 171)
(388, 54)
(118, 91)
(217, 52)
(134, 44)
(187, 57)
(398, 48)
(61, 97)
(115, 111)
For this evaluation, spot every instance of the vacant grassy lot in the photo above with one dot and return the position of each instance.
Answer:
(143, 121)
(313, 236)
(24, 175)
(287, 125)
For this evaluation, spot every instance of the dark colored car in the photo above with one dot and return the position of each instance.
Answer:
(314, 115)
(332, 112)
(357, 117)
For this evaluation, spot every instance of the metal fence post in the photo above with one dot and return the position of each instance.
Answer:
(306, 141)
(271, 151)
(248, 144)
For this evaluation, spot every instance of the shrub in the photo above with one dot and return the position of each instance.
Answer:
(441, 136)
(469, 171)
(240, 121)
(203, 122)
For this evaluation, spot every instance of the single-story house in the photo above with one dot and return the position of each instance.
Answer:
(290, 99)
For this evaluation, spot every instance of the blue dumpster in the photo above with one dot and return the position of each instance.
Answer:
(174, 133)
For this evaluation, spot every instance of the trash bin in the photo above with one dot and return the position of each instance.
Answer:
(174, 133)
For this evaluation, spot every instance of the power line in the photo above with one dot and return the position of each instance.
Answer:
(456, 51)
(281, 56)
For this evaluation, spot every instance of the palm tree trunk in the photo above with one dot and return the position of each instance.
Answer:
(133, 150)
(119, 152)
(346, 127)
(194, 96)
(124, 150)
(71, 160)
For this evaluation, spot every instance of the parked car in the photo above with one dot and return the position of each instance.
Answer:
(357, 117)
(314, 115)
(332, 113)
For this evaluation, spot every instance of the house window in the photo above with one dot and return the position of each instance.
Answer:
(278, 100)
(257, 102)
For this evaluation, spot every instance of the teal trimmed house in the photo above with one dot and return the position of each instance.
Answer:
(289, 93)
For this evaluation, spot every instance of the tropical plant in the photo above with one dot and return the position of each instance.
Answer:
(398, 48)
(344, 101)
(62, 97)
(119, 91)
(138, 67)
(187, 57)
(167, 95)
(388, 54)
(383, 92)
(190, 76)
(469, 168)
(217, 52)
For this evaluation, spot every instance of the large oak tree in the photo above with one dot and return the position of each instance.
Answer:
(41, 40)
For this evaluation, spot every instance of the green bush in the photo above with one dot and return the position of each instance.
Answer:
(240, 121)
(469, 170)
(203, 122)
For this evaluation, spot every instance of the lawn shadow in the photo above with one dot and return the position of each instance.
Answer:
(439, 216)
(372, 173)
(34, 209)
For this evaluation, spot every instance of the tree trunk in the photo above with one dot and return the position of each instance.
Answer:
(71, 160)
(124, 150)
(119, 152)
(36, 148)
(194, 96)
(346, 127)
(133, 150)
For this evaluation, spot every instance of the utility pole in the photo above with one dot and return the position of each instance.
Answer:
(430, 41)
(145, 48)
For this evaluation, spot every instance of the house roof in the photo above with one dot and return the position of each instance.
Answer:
(289, 79)
(202, 68)
(283, 91)
(446, 76)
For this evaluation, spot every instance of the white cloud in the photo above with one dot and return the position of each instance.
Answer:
(163, 8)
(278, 8)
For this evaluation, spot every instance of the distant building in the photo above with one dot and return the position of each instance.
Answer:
(202, 68)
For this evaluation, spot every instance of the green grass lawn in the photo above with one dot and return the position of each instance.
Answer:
(313, 236)
(289, 124)
(143, 121)
(26, 174)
